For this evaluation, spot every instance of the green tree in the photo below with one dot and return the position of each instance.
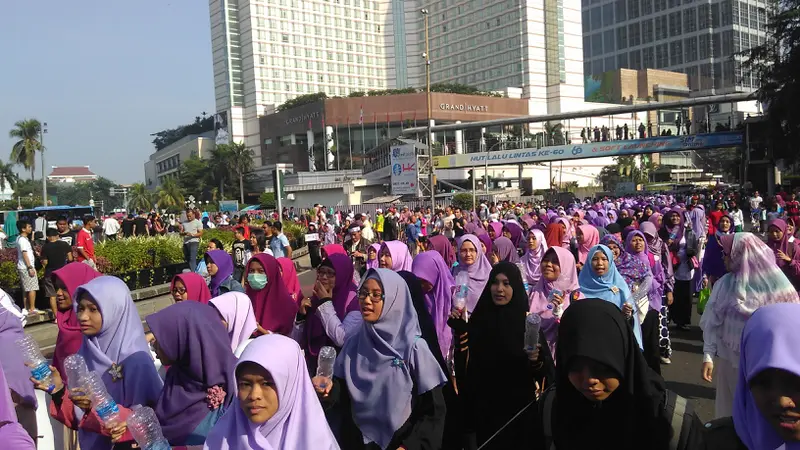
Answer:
(267, 200)
(301, 100)
(167, 137)
(554, 133)
(457, 88)
(220, 165)
(463, 200)
(7, 176)
(169, 195)
(23, 152)
(241, 163)
(194, 176)
(139, 198)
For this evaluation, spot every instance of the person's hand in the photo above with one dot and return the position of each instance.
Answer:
(708, 371)
(55, 380)
(321, 291)
(533, 354)
(261, 330)
(117, 432)
(304, 305)
(670, 298)
(579, 266)
(784, 256)
(81, 400)
(322, 385)
(457, 314)
(31, 272)
(358, 255)
(557, 299)
(627, 309)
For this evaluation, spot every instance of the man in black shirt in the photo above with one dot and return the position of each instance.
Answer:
(55, 254)
(241, 251)
(64, 233)
(140, 225)
(127, 226)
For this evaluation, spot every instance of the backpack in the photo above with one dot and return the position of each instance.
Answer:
(676, 408)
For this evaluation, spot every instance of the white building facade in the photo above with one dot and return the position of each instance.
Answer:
(165, 163)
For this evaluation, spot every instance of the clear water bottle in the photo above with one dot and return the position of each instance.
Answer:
(521, 268)
(145, 429)
(532, 324)
(325, 361)
(75, 371)
(102, 402)
(40, 368)
(462, 288)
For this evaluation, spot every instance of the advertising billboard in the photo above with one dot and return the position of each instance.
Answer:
(404, 170)
(221, 130)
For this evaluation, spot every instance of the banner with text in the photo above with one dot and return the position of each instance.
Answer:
(404, 170)
(592, 150)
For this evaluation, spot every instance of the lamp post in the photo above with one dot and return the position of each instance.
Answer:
(427, 57)
(44, 178)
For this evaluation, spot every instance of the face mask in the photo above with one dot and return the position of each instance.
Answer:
(257, 281)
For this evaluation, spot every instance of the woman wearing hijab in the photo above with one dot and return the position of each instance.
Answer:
(658, 249)
(604, 281)
(394, 255)
(372, 255)
(513, 231)
(554, 234)
(649, 306)
(496, 376)
(275, 407)
(331, 314)
(503, 250)
(314, 246)
(472, 261)
(386, 375)
(437, 285)
(787, 254)
(290, 279)
(12, 434)
(752, 281)
(333, 249)
(486, 245)
(764, 407)
(66, 281)
(272, 303)
(602, 383)
(556, 289)
(682, 244)
(587, 237)
(532, 258)
(114, 346)
(17, 374)
(442, 245)
(713, 264)
(220, 267)
(495, 230)
(199, 385)
(236, 312)
(189, 286)
(567, 239)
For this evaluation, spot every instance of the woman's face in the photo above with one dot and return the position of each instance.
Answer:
(789, 228)
(648, 210)
(492, 234)
(501, 290)
(211, 267)
(594, 380)
(725, 224)
(674, 219)
(385, 261)
(212, 246)
(372, 253)
(256, 267)
(506, 233)
(775, 233)
(257, 393)
(551, 268)
(599, 263)
(468, 253)
(89, 316)
(63, 299)
(776, 393)
(533, 243)
(254, 241)
(576, 219)
(614, 249)
(660, 221)
(579, 236)
(623, 214)
(326, 276)
(370, 299)
(179, 293)
(637, 244)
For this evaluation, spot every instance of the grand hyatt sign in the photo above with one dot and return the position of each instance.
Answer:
(464, 107)
(303, 118)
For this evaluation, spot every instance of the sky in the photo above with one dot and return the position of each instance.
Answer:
(104, 75)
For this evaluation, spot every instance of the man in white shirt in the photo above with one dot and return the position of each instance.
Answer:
(110, 228)
(25, 268)
(39, 227)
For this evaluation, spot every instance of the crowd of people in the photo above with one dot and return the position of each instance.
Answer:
(433, 317)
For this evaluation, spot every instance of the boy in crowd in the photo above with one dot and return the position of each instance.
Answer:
(25, 266)
(56, 253)
(242, 249)
(85, 242)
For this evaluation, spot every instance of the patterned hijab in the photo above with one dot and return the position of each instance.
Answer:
(632, 269)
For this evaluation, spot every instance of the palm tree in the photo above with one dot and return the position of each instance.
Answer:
(169, 194)
(7, 176)
(220, 164)
(140, 198)
(241, 163)
(554, 133)
(24, 150)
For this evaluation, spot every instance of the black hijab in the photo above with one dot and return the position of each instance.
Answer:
(424, 317)
(629, 418)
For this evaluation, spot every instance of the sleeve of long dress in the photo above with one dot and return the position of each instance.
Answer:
(297, 331)
(428, 421)
(63, 410)
(337, 330)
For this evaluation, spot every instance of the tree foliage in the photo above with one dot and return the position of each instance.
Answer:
(462, 200)
(301, 100)
(457, 88)
(626, 169)
(27, 133)
(167, 137)
(169, 195)
(139, 198)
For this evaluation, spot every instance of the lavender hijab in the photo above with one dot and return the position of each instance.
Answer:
(532, 259)
(120, 341)
(16, 373)
(12, 435)
(384, 361)
(191, 336)
(478, 271)
(505, 250)
(431, 267)
(769, 341)
(299, 422)
(401, 258)
(224, 263)
(236, 310)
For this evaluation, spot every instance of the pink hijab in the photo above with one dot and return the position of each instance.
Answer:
(273, 305)
(591, 237)
(568, 234)
(289, 276)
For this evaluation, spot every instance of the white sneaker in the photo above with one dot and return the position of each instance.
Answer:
(666, 361)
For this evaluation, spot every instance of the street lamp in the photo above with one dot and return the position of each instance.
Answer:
(427, 56)
(44, 178)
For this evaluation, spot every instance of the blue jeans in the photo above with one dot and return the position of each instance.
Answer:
(190, 254)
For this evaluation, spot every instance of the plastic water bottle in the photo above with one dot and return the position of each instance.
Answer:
(532, 324)
(145, 429)
(462, 288)
(325, 360)
(40, 368)
(102, 402)
(75, 371)
(521, 268)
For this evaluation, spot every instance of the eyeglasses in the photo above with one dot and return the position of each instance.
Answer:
(467, 251)
(375, 296)
(326, 273)
(179, 291)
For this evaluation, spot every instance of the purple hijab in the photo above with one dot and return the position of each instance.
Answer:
(505, 250)
(236, 310)
(401, 258)
(657, 284)
(713, 263)
(191, 335)
(630, 267)
(516, 233)
(12, 434)
(487, 242)
(769, 341)
(430, 266)
(669, 232)
(532, 259)
(17, 374)
(372, 263)
(344, 301)
(697, 216)
(478, 272)
(497, 227)
(299, 422)
(384, 361)
(120, 341)
(442, 245)
(224, 264)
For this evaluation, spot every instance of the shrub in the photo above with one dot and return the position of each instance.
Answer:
(137, 253)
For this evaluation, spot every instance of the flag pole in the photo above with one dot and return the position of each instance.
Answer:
(336, 143)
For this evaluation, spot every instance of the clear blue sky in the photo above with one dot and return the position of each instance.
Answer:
(104, 75)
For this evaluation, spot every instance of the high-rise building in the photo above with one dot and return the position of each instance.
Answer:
(698, 38)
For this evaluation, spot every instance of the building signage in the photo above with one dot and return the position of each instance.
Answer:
(593, 150)
(302, 118)
(404, 170)
(463, 107)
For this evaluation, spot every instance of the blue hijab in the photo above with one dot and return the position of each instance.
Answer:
(610, 287)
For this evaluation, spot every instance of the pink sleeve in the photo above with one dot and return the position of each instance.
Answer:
(65, 413)
(91, 422)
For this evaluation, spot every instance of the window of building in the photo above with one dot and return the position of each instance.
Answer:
(633, 34)
(647, 32)
(689, 20)
(597, 44)
(660, 5)
(676, 53)
(662, 56)
(620, 11)
(715, 15)
(647, 7)
(635, 60)
(704, 42)
(608, 41)
(690, 49)
(703, 16)
(608, 14)
(622, 38)
(633, 8)
(595, 17)
(675, 24)
(661, 27)
(622, 61)
(648, 58)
